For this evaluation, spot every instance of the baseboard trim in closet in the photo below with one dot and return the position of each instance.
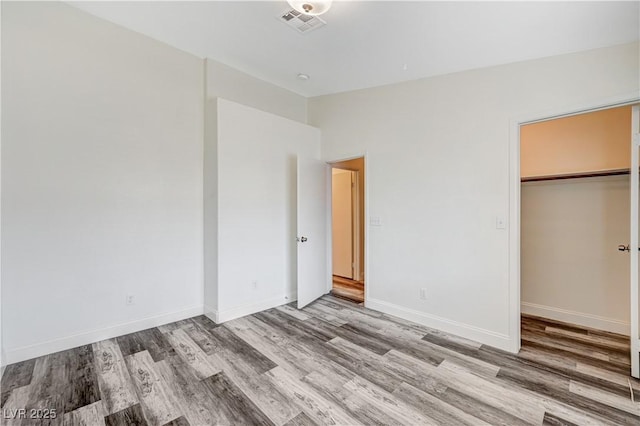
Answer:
(578, 318)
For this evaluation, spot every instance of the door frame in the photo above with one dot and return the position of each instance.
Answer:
(367, 273)
(514, 193)
(633, 242)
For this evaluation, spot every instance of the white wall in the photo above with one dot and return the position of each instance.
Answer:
(438, 177)
(571, 268)
(101, 179)
(256, 172)
(228, 83)
(2, 354)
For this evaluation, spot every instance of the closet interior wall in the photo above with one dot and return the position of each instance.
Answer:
(570, 228)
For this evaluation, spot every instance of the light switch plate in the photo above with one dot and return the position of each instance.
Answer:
(375, 221)
(501, 223)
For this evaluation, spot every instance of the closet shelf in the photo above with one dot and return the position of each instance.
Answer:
(613, 172)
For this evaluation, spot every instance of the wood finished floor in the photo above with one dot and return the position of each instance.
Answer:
(333, 362)
(348, 289)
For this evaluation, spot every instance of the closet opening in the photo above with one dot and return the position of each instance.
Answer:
(348, 229)
(574, 215)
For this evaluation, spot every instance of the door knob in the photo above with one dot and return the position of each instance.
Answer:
(622, 247)
(303, 239)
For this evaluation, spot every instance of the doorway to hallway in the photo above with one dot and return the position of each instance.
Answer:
(347, 218)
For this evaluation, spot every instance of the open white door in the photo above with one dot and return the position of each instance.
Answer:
(312, 230)
(634, 244)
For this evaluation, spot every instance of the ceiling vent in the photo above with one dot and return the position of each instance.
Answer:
(300, 22)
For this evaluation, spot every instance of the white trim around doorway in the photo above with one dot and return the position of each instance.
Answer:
(367, 273)
(514, 194)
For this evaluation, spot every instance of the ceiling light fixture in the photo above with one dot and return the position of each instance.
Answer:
(303, 77)
(313, 8)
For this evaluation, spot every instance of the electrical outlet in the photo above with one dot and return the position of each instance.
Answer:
(423, 293)
(131, 299)
(254, 285)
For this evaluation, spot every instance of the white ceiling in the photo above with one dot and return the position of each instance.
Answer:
(367, 43)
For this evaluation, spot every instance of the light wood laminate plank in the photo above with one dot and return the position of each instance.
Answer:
(191, 354)
(156, 397)
(116, 388)
(333, 362)
(89, 415)
(314, 405)
(257, 387)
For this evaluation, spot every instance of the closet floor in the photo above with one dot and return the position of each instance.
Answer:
(333, 362)
(576, 346)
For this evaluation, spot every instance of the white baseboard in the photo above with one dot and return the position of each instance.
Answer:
(211, 313)
(244, 310)
(579, 318)
(488, 337)
(85, 338)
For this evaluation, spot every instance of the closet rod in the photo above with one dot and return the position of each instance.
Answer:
(615, 172)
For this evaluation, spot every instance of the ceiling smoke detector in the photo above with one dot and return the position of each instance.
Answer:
(300, 22)
(313, 8)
